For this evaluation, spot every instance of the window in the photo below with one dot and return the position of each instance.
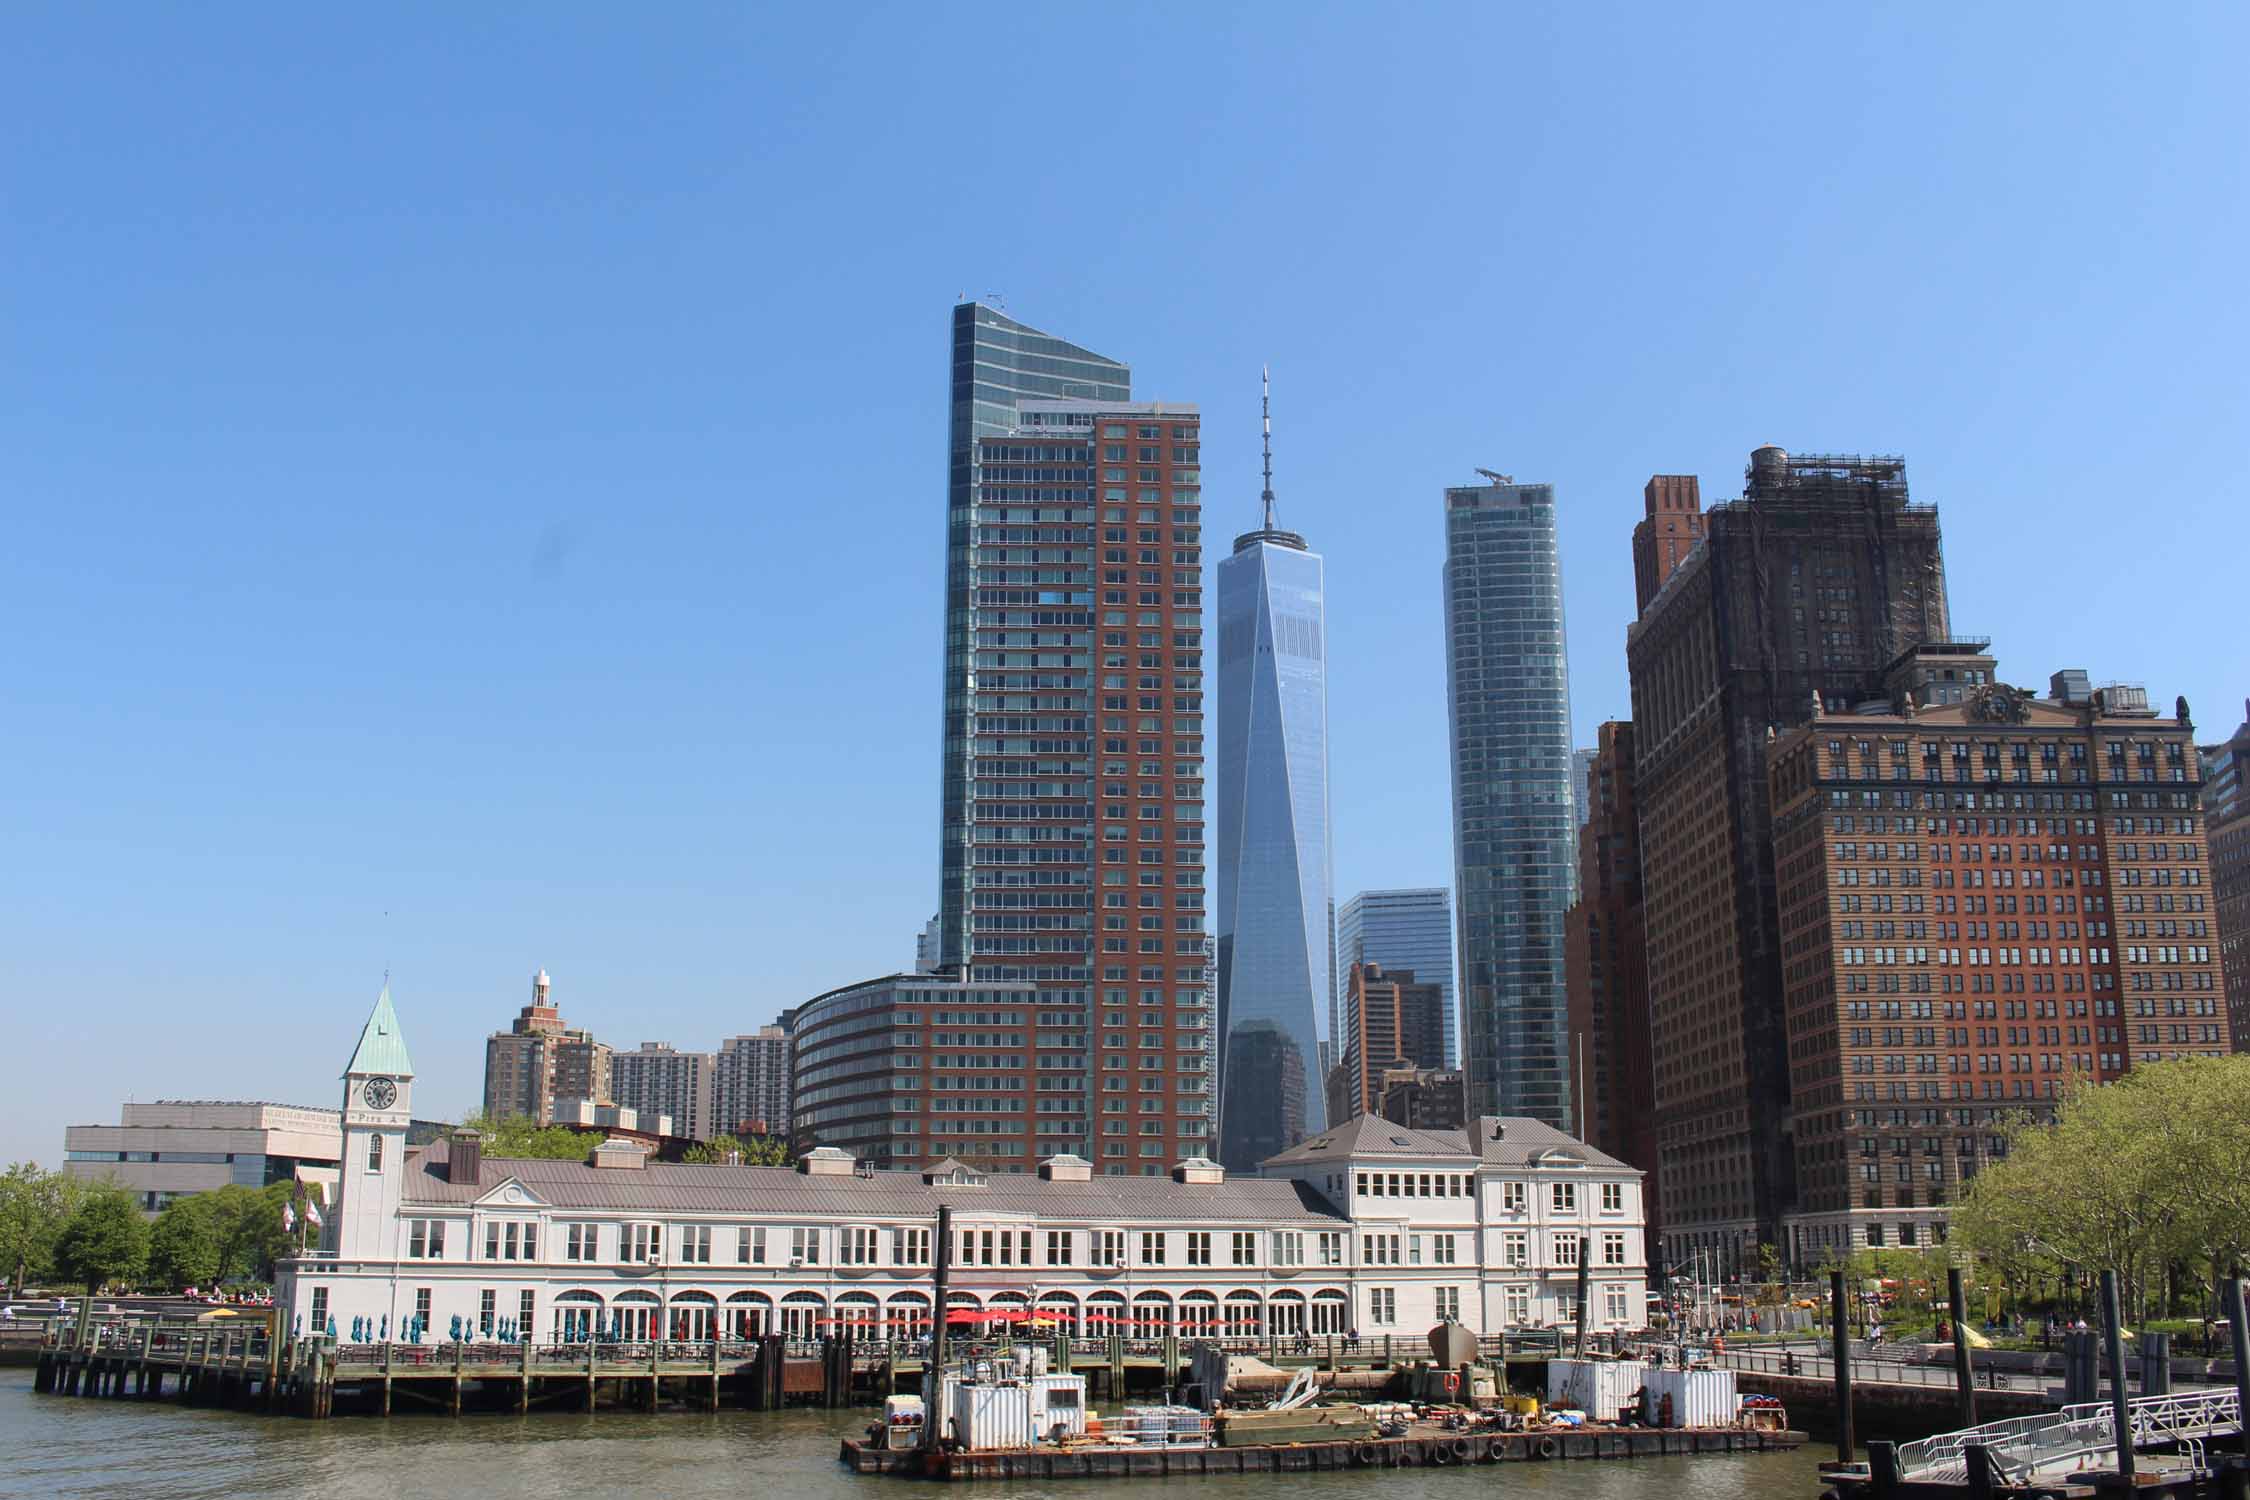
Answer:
(1613, 1197)
(804, 1244)
(320, 1307)
(1513, 1196)
(1109, 1247)
(1152, 1247)
(910, 1247)
(1449, 1303)
(695, 1245)
(425, 1239)
(421, 1305)
(1199, 1248)
(1382, 1306)
(750, 1245)
(1563, 1197)
(1441, 1249)
(581, 1241)
(1288, 1247)
(1615, 1306)
(1613, 1249)
(527, 1307)
(1566, 1249)
(858, 1247)
(1379, 1250)
(374, 1153)
(1519, 1306)
(488, 1302)
(1515, 1248)
(1061, 1243)
(1245, 1249)
(1331, 1249)
(639, 1244)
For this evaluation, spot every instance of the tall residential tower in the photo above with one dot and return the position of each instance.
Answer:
(1408, 929)
(1276, 902)
(1508, 692)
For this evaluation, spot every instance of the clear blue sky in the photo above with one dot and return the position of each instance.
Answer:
(472, 484)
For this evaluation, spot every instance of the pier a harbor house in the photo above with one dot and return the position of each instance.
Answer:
(1368, 1228)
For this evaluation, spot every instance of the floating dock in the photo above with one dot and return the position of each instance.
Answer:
(1434, 1450)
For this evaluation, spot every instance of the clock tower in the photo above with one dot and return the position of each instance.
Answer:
(378, 1103)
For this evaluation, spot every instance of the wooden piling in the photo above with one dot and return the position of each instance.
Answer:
(1964, 1375)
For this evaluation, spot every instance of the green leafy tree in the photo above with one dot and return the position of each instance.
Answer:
(183, 1244)
(105, 1239)
(520, 1136)
(726, 1150)
(2147, 1176)
(34, 1204)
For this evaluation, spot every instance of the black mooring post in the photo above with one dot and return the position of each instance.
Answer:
(1964, 1377)
(1585, 1273)
(1840, 1341)
(2237, 1303)
(2120, 1410)
(933, 1373)
(1979, 1459)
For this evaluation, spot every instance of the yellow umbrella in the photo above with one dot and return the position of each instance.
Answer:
(1976, 1339)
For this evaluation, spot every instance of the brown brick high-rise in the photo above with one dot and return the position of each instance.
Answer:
(1801, 592)
(1663, 540)
(1984, 898)
(1605, 956)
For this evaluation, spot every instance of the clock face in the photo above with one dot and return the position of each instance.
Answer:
(380, 1093)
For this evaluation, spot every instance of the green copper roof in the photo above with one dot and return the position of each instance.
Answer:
(381, 1049)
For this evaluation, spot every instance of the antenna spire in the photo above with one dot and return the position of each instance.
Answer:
(1265, 418)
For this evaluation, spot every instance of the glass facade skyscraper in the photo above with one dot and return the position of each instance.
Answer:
(1276, 889)
(1508, 697)
(1411, 929)
(997, 362)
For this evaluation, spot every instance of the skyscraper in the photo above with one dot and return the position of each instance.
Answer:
(1508, 693)
(1394, 1020)
(1802, 592)
(658, 1079)
(1407, 929)
(997, 362)
(1276, 901)
(750, 1085)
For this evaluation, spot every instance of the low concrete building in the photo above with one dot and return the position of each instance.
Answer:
(177, 1147)
(1370, 1227)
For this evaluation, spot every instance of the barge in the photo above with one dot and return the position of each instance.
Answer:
(1433, 1449)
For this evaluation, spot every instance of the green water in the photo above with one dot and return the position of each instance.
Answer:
(60, 1446)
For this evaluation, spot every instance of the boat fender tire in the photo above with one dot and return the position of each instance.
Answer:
(1440, 1451)
(1548, 1447)
(1458, 1450)
(1363, 1454)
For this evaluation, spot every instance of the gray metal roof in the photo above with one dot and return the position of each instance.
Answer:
(1500, 1141)
(779, 1192)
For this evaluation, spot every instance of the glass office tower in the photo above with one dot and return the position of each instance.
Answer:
(997, 362)
(1276, 904)
(1508, 697)
(1410, 929)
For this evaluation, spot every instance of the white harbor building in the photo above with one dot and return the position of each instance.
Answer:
(1368, 1227)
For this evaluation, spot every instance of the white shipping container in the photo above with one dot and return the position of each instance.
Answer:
(1700, 1398)
(1604, 1389)
(992, 1416)
(1058, 1401)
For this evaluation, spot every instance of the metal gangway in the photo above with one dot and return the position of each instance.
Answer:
(2026, 1450)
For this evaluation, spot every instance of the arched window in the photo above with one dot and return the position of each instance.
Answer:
(1199, 1315)
(801, 1313)
(633, 1316)
(694, 1316)
(749, 1315)
(1152, 1315)
(1285, 1314)
(1057, 1312)
(908, 1315)
(1330, 1313)
(1243, 1315)
(576, 1316)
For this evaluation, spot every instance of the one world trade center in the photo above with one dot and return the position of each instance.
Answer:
(1276, 912)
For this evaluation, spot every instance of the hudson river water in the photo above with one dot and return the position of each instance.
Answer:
(59, 1446)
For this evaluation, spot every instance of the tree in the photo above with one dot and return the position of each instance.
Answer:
(520, 1136)
(105, 1239)
(183, 1244)
(2139, 1176)
(34, 1204)
(728, 1150)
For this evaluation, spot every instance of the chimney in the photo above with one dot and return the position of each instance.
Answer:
(1066, 1167)
(464, 1157)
